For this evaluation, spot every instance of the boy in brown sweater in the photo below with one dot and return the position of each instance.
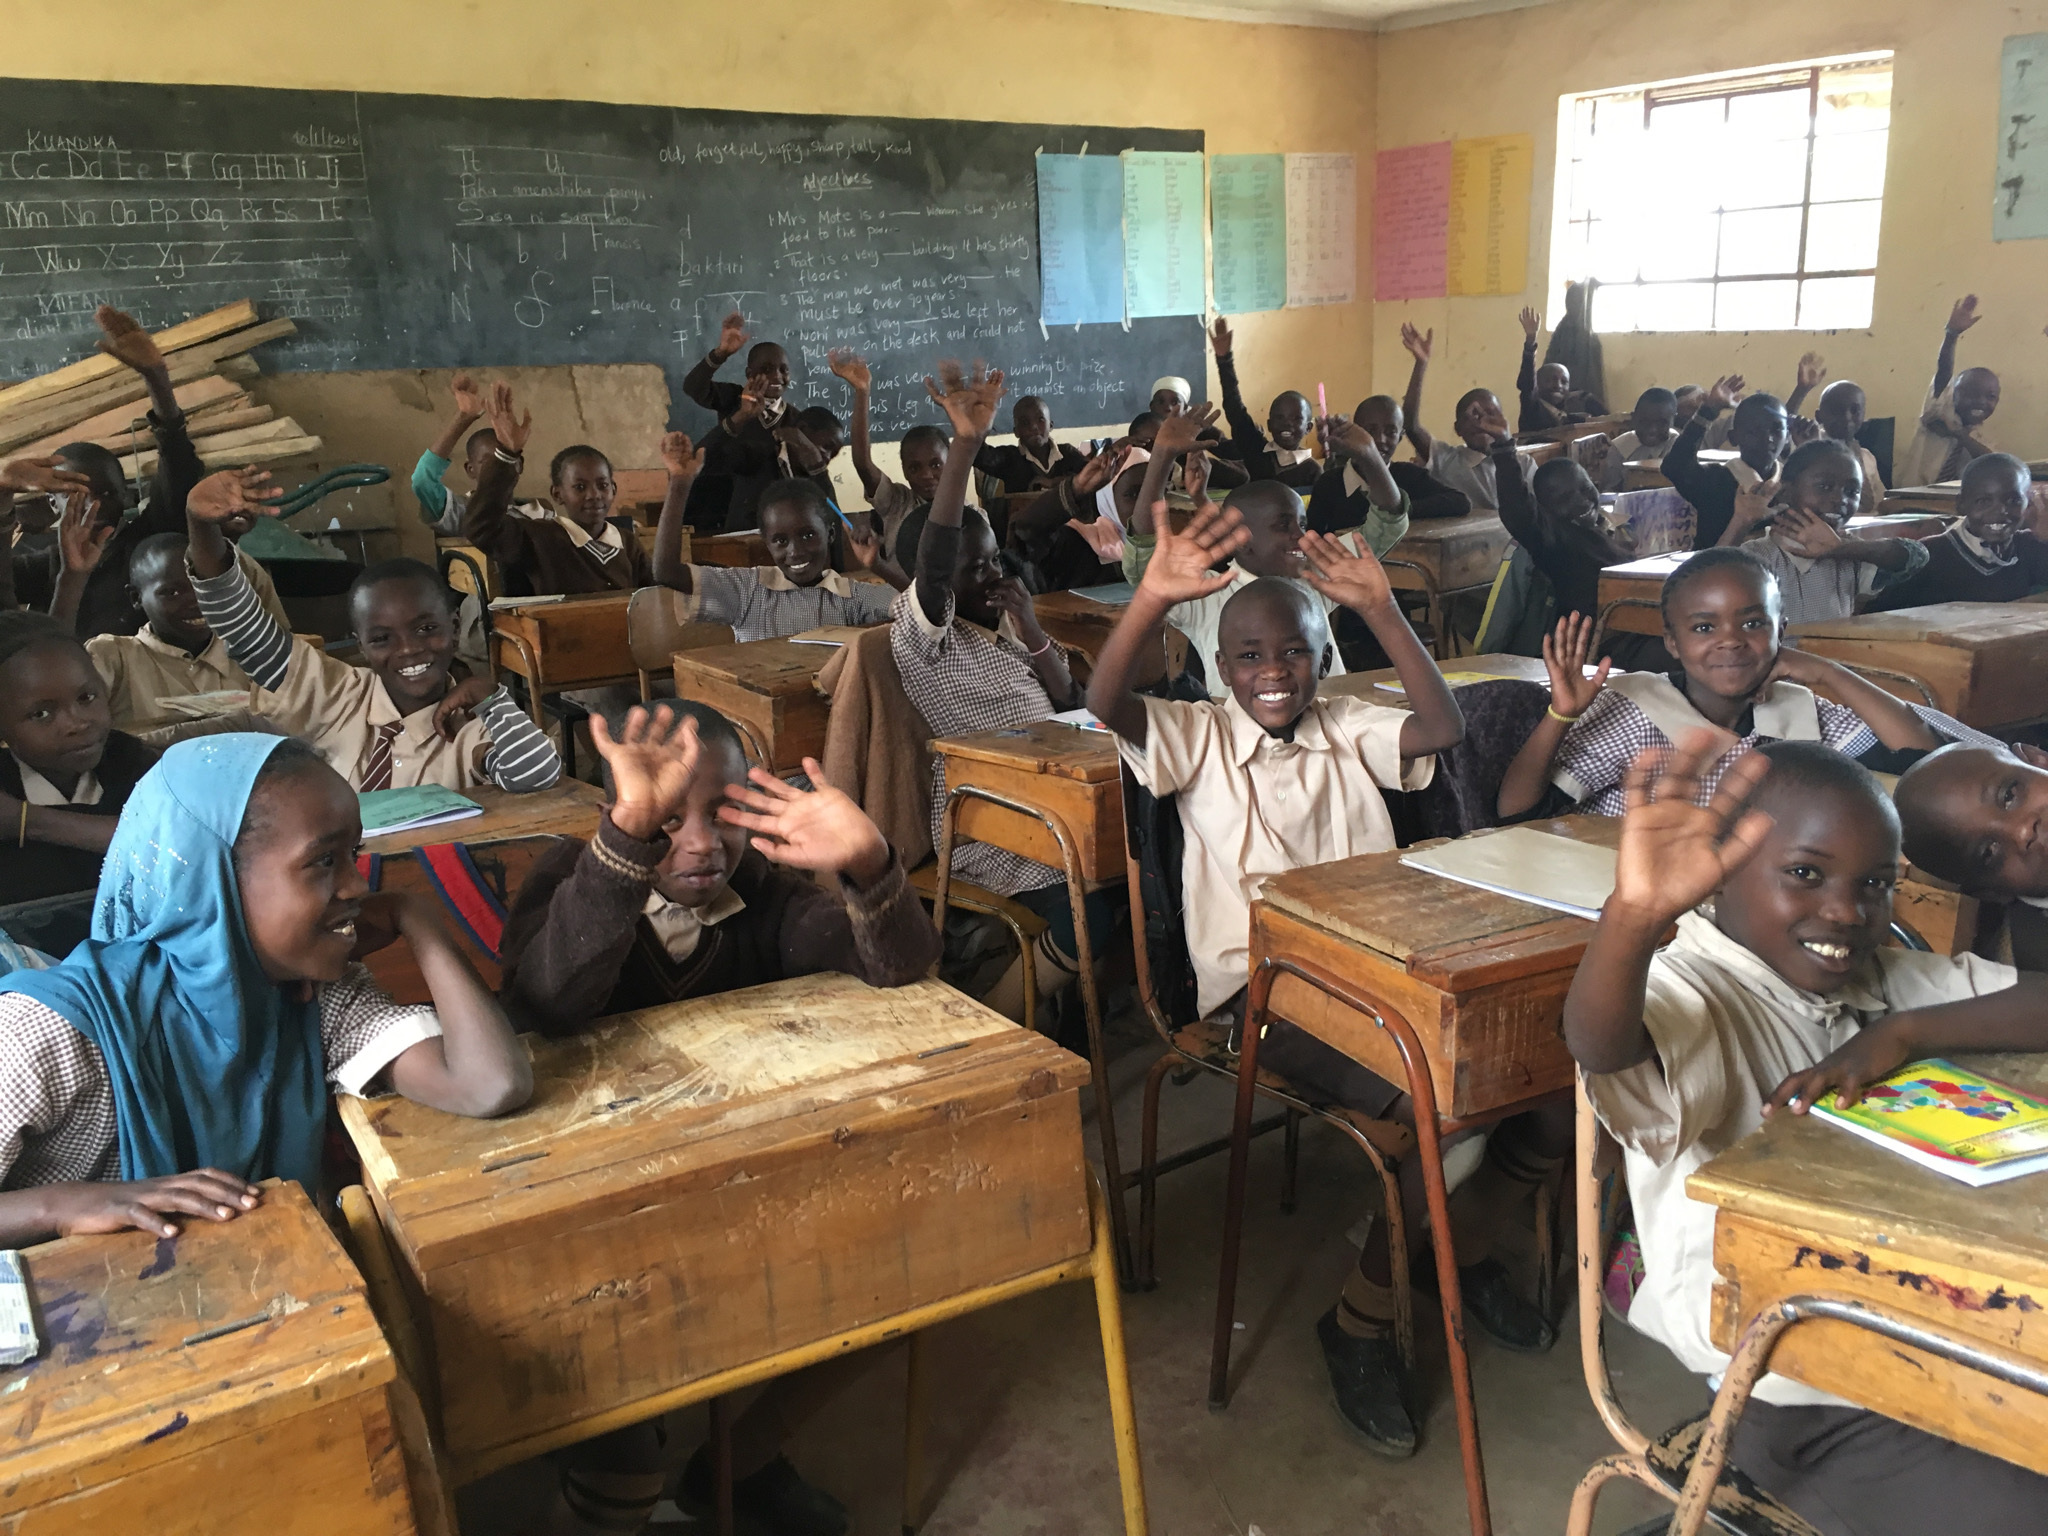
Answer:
(673, 898)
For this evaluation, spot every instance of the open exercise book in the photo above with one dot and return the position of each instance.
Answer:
(1948, 1118)
(1532, 866)
(423, 805)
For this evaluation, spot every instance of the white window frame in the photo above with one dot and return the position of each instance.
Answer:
(1569, 230)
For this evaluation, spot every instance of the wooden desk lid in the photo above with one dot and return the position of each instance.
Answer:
(1444, 530)
(766, 666)
(1957, 624)
(1450, 935)
(703, 1084)
(539, 607)
(126, 1380)
(1044, 746)
(1657, 566)
(1802, 1172)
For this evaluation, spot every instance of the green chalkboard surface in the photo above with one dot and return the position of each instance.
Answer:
(433, 231)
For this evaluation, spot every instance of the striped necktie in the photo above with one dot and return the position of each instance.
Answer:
(377, 771)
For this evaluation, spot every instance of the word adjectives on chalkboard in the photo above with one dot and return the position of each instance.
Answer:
(420, 231)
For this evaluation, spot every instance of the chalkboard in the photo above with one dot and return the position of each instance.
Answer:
(432, 231)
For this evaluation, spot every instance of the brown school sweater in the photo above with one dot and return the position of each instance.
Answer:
(581, 949)
(544, 551)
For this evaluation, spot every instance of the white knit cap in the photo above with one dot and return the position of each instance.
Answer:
(1177, 384)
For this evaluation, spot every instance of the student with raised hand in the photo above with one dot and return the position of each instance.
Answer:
(1280, 452)
(43, 484)
(65, 771)
(972, 657)
(186, 1049)
(1650, 433)
(174, 654)
(1786, 991)
(1272, 777)
(1950, 432)
(1990, 555)
(1724, 627)
(1034, 461)
(922, 454)
(812, 548)
(1341, 498)
(401, 719)
(106, 606)
(440, 508)
(1466, 466)
(1275, 525)
(1759, 434)
(755, 416)
(578, 546)
(1556, 517)
(1548, 399)
(704, 876)
(1803, 516)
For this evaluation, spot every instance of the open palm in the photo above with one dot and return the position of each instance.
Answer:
(1183, 564)
(1675, 854)
(968, 398)
(820, 829)
(652, 760)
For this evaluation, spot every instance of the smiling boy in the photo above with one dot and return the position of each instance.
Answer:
(1787, 991)
(1280, 452)
(1759, 432)
(1951, 423)
(174, 654)
(398, 721)
(1990, 556)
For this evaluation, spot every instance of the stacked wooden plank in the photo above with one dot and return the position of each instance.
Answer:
(98, 399)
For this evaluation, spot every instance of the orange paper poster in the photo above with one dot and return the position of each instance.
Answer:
(1411, 214)
(1488, 238)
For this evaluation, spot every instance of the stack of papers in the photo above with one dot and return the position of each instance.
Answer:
(1537, 867)
(424, 805)
(1080, 719)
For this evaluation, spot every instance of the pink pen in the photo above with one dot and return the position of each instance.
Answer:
(1322, 402)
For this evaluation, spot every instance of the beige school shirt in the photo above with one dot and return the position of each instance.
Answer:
(143, 669)
(1728, 1030)
(1253, 806)
(337, 708)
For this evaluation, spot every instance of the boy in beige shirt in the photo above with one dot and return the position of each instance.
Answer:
(1786, 992)
(1271, 777)
(174, 654)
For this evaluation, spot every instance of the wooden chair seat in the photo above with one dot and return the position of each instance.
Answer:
(1738, 1506)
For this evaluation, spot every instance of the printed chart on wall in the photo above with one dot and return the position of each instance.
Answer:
(1452, 218)
(1322, 229)
(429, 232)
(2020, 211)
(1248, 231)
(1164, 273)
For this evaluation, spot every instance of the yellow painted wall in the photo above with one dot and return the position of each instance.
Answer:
(1504, 73)
(1252, 88)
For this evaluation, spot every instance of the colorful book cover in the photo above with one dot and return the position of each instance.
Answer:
(1948, 1118)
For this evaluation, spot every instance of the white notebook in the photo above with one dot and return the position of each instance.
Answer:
(1532, 866)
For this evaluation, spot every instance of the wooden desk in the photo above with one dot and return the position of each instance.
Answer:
(1940, 497)
(1070, 773)
(1984, 661)
(568, 642)
(569, 808)
(731, 549)
(1638, 475)
(1806, 1209)
(1365, 685)
(714, 1192)
(133, 1419)
(1642, 580)
(1445, 556)
(768, 688)
(1084, 624)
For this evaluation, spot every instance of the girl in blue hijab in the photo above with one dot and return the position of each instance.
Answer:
(217, 998)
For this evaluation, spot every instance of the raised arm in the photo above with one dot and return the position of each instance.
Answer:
(1419, 345)
(177, 462)
(1243, 430)
(1812, 369)
(848, 364)
(1681, 462)
(1571, 695)
(487, 521)
(683, 461)
(81, 539)
(260, 645)
(969, 402)
(1525, 377)
(701, 383)
(1673, 855)
(1181, 570)
(1357, 580)
(1960, 318)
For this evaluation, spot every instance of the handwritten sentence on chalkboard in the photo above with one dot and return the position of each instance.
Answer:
(1120, 237)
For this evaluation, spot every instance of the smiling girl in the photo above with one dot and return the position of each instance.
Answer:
(184, 1051)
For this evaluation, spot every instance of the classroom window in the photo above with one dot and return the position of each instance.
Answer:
(1745, 202)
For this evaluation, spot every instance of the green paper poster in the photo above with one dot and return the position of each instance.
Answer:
(1248, 231)
(2021, 209)
(1163, 267)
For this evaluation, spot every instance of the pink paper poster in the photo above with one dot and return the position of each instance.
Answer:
(1411, 209)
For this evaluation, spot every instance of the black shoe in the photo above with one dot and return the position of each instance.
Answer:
(776, 1498)
(1367, 1382)
(1508, 1317)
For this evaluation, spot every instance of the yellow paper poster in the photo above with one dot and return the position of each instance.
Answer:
(1489, 231)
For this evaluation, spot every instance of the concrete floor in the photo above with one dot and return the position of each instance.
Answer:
(1019, 1442)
